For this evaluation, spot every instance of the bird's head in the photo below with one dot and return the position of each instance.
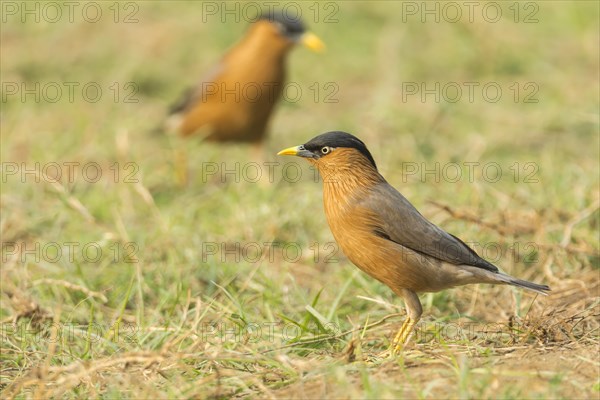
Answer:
(290, 28)
(335, 153)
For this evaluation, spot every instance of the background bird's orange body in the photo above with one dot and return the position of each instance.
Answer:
(238, 100)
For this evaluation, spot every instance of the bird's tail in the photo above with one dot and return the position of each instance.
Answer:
(541, 289)
(167, 126)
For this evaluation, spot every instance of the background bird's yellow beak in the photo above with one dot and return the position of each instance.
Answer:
(312, 41)
(290, 151)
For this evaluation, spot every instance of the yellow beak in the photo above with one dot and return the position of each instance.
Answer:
(290, 151)
(312, 41)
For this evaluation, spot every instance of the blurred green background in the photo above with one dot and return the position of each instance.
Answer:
(541, 133)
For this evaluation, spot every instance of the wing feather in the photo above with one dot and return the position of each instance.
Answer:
(399, 221)
(193, 94)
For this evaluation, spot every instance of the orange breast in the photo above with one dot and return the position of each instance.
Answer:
(392, 264)
(237, 104)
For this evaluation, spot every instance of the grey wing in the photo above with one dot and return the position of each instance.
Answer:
(399, 221)
(184, 101)
(191, 95)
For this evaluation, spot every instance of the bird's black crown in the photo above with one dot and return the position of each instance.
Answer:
(338, 139)
(291, 25)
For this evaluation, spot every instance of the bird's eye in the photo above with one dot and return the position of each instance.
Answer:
(325, 150)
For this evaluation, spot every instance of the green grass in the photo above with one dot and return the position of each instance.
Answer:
(157, 314)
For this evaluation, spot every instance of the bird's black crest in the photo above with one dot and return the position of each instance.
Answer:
(292, 24)
(339, 139)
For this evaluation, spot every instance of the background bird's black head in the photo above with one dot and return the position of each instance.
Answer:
(338, 139)
(289, 25)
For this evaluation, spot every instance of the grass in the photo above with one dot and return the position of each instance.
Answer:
(140, 287)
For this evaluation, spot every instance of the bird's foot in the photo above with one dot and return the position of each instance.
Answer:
(379, 358)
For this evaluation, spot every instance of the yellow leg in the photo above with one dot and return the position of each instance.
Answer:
(403, 336)
(181, 166)
(414, 311)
